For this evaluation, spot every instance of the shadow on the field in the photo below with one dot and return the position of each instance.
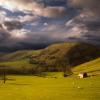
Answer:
(95, 72)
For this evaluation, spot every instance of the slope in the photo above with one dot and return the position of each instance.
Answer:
(59, 56)
(92, 67)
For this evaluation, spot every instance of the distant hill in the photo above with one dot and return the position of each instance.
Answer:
(18, 55)
(57, 57)
(66, 54)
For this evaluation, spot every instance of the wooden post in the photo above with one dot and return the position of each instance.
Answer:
(4, 74)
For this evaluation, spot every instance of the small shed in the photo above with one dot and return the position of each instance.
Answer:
(82, 75)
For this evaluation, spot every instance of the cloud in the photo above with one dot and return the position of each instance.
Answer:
(92, 5)
(4, 36)
(84, 28)
(94, 25)
(28, 18)
(11, 25)
(19, 34)
(88, 18)
(85, 3)
(33, 6)
(54, 11)
(27, 23)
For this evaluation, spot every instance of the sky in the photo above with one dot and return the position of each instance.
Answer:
(34, 24)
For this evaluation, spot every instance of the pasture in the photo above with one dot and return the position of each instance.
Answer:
(50, 88)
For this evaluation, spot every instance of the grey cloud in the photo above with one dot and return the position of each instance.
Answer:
(85, 3)
(94, 26)
(92, 5)
(35, 7)
(4, 36)
(11, 25)
(1, 26)
(86, 28)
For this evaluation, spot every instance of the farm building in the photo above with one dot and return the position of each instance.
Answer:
(82, 75)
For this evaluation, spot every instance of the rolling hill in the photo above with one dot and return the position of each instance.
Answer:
(18, 55)
(64, 55)
(57, 57)
(91, 67)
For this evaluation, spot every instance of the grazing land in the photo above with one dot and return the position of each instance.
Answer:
(39, 88)
(25, 85)
(54, 86)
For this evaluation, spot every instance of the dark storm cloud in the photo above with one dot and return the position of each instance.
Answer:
(4, 35)
(91, 5)
(1, 26)
(11, 25)
(36, 23)
(88, 20)
(85, 3)
(93, 26)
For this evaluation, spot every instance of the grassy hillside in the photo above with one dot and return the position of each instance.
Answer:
(54, 86)
(18, 55)
(18, 62)
(18, 67)
(51, 88)
(92, 67)
(57, 57)
(65, 55)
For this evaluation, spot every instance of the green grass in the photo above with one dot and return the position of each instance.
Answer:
(18, 67)
(51, 74)
(18, 59)
(19, 63)
(19, 55)
(51, 88)
(89, 67)
(39, 88)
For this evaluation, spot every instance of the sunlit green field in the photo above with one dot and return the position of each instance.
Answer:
(54, 86)
(50, 88)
